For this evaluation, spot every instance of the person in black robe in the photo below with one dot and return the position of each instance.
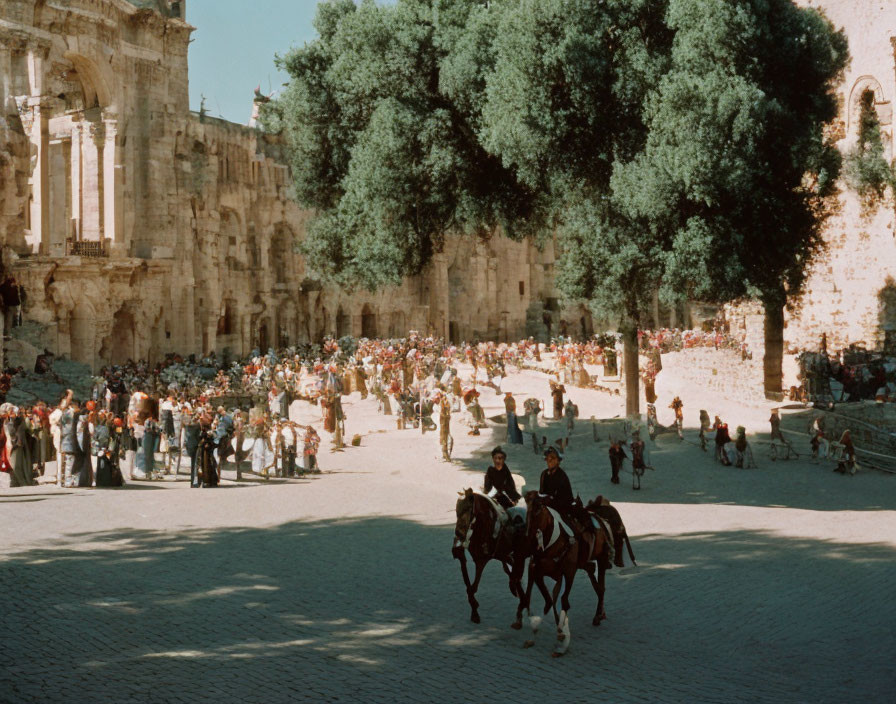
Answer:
(82, 468)
(499, 478)
(617, 455)
(207, 465)
(192, 433)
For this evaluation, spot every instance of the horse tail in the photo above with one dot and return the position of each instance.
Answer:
(628, 545)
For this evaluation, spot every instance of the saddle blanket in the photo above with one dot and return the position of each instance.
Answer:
(559, 525)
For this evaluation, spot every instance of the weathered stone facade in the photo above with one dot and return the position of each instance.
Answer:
(851, 292)
(137, 227)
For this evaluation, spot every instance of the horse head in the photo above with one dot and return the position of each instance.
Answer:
(464, 511)
(536, 517)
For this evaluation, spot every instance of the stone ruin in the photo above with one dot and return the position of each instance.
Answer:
(136, 227)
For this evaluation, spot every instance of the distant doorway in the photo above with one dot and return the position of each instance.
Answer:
(368, 323)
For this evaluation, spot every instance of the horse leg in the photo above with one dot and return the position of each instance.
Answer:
(558, 585)
(591, 568)
(599, 587)
(534, 621)
(563, 630)
(471, 591)
(543, 588)
(523, 597)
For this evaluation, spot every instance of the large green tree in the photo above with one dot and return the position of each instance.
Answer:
(737, 169)
(389, 163)
(563, 106)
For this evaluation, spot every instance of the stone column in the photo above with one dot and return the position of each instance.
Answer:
(112, 220)
(40, 190)
(56, 226)
(92, 191)
(75, 227)
(39, 144)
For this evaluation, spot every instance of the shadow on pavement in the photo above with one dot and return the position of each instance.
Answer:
(374, 610)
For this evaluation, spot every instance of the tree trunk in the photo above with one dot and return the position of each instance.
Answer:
(773, 359)
(630, 367)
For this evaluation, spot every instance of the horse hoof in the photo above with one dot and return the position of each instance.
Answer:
(528, 643)
(516, 625)
(555, 654)
(596, 621)
(475, 618)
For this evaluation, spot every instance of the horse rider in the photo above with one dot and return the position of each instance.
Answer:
(499, 479)
(555, 487)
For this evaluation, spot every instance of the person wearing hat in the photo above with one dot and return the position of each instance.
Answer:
(554, 483)
(499, 478)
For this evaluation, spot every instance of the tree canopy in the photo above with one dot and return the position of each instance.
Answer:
(390, 163)
(671, 145)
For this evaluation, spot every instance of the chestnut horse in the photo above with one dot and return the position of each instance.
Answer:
(475, 531)
(557, 556)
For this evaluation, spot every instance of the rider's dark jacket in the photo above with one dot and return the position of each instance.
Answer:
(501, 480)
(557, 486)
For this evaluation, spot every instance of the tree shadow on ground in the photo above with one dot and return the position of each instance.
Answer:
(374, 610)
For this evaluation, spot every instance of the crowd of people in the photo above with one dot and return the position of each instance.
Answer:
(206, 412)
(851, 374)
(142, 422)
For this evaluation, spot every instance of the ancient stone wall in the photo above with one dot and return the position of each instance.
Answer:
(139, 228)
(851, 292)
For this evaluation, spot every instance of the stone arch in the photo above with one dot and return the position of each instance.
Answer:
(263, 337)
(862, 84)
(96, 86)
(368, 322)
(121, 343)
(228, 322)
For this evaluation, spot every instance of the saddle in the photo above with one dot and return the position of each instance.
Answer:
(612, 522)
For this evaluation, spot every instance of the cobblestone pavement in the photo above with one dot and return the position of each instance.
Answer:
(767, 585)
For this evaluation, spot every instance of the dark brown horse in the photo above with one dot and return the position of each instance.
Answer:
(475, 531)
(558, 556)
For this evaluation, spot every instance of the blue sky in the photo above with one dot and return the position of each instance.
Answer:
(234, 46)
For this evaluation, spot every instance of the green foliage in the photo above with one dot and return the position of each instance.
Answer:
(564, 108)
(389, 160)
(737, 176)
(866, 169)
(672, 144)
